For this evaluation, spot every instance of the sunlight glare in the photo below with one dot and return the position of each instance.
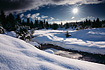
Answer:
(75, 10)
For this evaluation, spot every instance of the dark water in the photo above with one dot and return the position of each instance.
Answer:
(97, 58)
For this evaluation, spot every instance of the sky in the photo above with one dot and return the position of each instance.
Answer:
(55, 10)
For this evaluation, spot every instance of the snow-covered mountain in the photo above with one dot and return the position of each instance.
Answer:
(88, 40)
(16, 54)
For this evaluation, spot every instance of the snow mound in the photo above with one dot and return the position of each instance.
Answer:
(89, 40)
(16, 54)
(49, 51)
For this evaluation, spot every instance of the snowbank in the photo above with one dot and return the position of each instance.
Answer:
(49, 51)
(89, 40)
(35, 44)
(16, 54)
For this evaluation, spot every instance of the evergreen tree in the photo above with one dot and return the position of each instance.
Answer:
(18, 19)
(96, 24)
(28, 22)
(93, 23)
(47, 25)
(44, 23)
(41, 25)
(55, 26)
(31, 25)
(36, 23)
(11, 22)
(66, 25)
(2, 18)
(23, 23)
(89, 22)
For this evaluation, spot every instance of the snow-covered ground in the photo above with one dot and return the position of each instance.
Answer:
(16, 54)
(64, 53)
(89, 40)
(11, 33)
(35, 44)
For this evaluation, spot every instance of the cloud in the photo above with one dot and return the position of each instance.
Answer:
(28, 15)
(79, 20)
(90, 17)
(46, 19)
(44, 16)
(51, 18)
(35, 15)
(65, 21)
(38, 18)
(23, 5)
(83, 19)
(72, 17)
(21, 15)
(57, 19)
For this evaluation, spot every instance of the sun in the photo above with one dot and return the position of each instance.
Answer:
(75, 10)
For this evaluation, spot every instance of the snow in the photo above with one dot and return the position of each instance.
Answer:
(16, 54)
(35, 44)
(49, 51)
(11, 33)
(88, 40)
(64, 53)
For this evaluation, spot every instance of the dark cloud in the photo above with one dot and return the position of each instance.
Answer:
(20, 5)
(99, 0)
(14, 4)
(57, 0)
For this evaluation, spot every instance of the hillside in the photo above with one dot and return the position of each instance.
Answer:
(16, 54)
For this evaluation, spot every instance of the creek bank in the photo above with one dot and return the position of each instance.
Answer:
(97, 58)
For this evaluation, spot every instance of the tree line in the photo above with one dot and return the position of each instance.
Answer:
(11, 23)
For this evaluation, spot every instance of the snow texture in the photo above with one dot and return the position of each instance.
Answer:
(89, 40)
(35, 44)
(49, 51)
(16, 54)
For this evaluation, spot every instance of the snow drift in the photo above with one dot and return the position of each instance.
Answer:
(16, 54)
(89, 40)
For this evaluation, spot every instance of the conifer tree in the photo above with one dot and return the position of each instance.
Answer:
(36, 23)
(47, 25)
(55, 26)
(2, 18)
(28, 22)
(11, 22)
(41, 25)
(66, 25)
(18, 19)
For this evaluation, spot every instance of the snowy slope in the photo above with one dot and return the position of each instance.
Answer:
(16, 54)
(89, 40)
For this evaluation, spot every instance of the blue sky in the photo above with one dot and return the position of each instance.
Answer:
(58, 13)
(56, 10)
